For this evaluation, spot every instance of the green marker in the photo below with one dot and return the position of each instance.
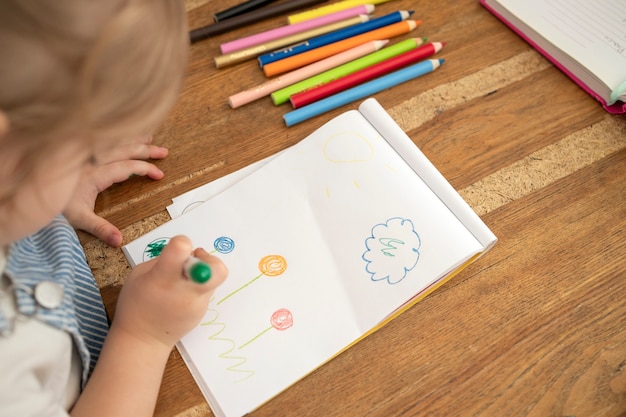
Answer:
(282, 96)
(197, 270)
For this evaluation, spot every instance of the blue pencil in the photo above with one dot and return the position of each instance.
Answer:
(335, 36)
(361, 91)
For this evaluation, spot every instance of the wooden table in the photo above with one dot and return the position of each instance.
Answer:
(537, 327)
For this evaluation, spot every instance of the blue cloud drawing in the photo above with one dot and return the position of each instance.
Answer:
(392, 250)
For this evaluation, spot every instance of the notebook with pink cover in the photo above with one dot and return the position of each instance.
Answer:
(585, 40)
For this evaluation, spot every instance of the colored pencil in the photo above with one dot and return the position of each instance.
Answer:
(282, 96)
(240, 8)
(254, 51)
(250, 17)
(313, 55)
(288, 30)
(321, 11)
(308, 71)
(361, 91)
(366, 74)
(333, 37)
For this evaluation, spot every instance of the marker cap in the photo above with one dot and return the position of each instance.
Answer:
(197, 271)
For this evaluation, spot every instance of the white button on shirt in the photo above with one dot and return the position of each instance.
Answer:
(49, 294)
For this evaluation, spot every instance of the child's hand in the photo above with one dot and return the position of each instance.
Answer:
(117, 166)
(158, 303)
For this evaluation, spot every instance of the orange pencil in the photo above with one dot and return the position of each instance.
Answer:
(300, 60)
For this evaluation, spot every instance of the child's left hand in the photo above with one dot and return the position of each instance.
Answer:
(116, 166)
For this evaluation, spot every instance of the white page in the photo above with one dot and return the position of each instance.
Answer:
(421, 165)
(328, 205)
(592, 32)
(193, 198)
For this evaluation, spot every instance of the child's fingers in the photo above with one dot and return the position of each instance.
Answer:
(170, 262)
(140, 151)
(99, 227)
(174, 256)
(116, 172)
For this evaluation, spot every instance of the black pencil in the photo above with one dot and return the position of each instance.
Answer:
(241, 8)
(250, 17)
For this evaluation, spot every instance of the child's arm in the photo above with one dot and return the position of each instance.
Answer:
(115, 166)
(156, 307)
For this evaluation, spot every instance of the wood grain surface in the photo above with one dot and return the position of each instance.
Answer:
(537, 327)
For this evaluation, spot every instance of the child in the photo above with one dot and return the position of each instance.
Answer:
(76, 77)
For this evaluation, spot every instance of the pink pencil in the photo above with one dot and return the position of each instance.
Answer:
(300, 74)
(289, 30)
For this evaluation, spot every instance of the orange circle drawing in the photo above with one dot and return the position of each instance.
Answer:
(272, 265)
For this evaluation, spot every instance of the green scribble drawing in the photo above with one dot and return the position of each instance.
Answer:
(227, 354)
(155, 248)
(388, 245)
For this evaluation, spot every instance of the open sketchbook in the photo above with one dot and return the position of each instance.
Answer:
(585, 39)
(325, 242)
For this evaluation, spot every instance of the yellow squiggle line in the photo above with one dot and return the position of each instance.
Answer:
(227, 353)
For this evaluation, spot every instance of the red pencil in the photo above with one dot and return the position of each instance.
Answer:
(309, 96)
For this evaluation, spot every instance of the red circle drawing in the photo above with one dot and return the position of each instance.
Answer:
(282, 319)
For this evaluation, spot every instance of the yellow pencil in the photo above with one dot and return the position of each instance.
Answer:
(331, 8)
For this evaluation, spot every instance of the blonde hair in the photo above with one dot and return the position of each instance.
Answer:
(94, 70)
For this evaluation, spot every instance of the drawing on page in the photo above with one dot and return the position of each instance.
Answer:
(154, 248)
(222, 244)
(281, 320)
(191, 206)
(392, 250)
(237, 361)
(270, 266)
(361, 150)
(348, 147)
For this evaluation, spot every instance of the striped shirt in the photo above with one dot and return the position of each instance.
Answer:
(54, 254)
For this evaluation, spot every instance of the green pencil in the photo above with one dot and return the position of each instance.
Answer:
(282, 96)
